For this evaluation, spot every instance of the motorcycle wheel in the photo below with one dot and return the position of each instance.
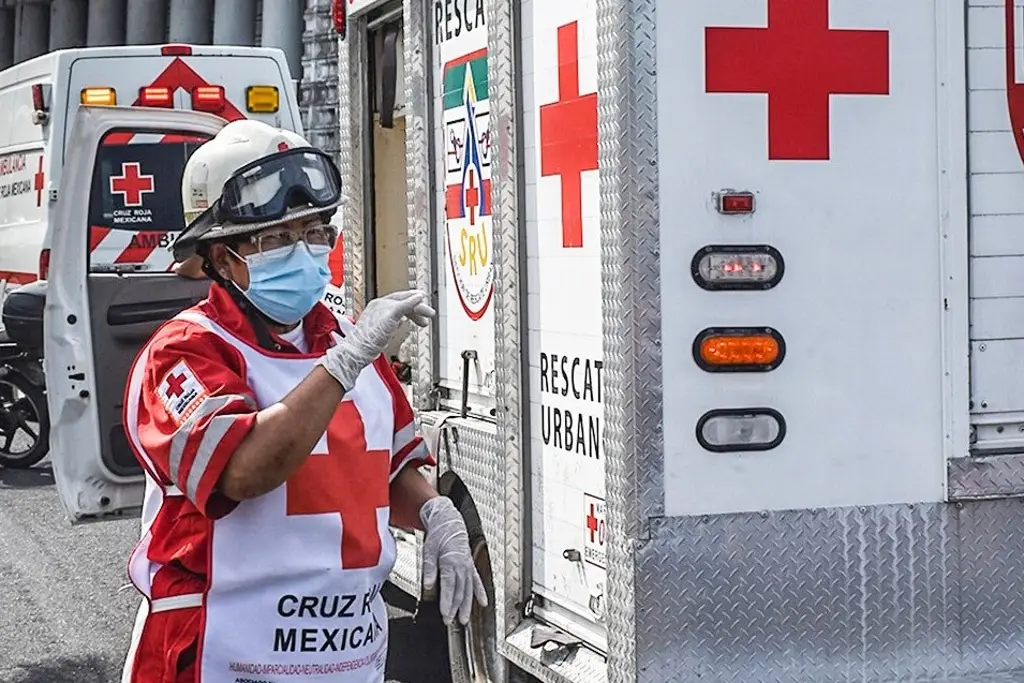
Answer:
(24, 422)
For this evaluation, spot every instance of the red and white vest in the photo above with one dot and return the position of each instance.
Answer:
(292, 594)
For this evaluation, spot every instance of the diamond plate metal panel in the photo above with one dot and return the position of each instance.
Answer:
(986, 477)
(564, 665)
(627, 134)
(507, 468)
(419, 345)
(352, 99)
(889, 593)
(318, 91)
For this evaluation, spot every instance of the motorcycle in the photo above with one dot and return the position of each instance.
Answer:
(24, 416)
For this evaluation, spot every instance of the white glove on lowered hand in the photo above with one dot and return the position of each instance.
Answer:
(446, 552)
(374, 329)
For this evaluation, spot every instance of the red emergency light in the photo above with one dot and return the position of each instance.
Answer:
(339, 15)
(156, 96)
(176, 50)
(730, 202)
(38, 101)
(208, 98)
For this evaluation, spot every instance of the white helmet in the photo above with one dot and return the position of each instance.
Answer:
(240, 144)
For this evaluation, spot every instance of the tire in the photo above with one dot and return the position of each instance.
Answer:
(23, 413)
(473, 650)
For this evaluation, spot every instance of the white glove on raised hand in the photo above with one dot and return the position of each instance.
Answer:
(374, 329)
(446, 552)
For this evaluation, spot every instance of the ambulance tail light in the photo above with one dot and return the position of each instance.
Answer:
(731, 202)
(262, 99)
(722, 267)
(740, 429)
(156, 96)
(339, 17)
(44, 264)
(99, 96)
(208, 98)
(176, 50)
(742, 349)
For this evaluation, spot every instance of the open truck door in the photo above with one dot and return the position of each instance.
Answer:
(122, 178)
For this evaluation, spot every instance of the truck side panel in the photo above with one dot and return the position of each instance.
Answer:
(464, 201)
(996, 142)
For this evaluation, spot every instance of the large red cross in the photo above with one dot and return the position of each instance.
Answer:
(348, 480)
(37, 183)
(472, 199)
(568, 135)
(175, 385)
(131, 184)
(592, 523)
(799, 62)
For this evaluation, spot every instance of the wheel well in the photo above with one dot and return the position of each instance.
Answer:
(451, 485)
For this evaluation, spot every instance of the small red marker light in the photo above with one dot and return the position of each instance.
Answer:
(735, 202)
(208, 98)
(38, 103)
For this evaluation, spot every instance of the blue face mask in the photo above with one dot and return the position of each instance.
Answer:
(286, 283)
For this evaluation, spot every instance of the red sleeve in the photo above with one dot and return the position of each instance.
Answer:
(187, 407)
(408, 448)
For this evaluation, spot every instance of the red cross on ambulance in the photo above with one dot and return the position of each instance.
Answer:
(799, 62)
(132, 184)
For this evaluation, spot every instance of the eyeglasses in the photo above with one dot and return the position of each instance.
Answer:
(317, 236)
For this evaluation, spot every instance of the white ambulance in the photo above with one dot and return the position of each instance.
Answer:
(726, 376)
(132, 230)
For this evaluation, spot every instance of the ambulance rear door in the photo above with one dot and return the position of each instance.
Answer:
(97, 319)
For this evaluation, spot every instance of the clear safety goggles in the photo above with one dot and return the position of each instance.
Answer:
(266, 189)
(313, 236)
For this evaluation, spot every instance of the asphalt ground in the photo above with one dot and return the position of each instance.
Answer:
(65, 616)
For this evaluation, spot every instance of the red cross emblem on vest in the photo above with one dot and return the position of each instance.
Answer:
(349, 480)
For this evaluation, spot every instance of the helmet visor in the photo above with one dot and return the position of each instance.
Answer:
(267, 188)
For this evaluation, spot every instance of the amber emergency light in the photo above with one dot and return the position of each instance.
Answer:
(739, 349)
(99, 96)
(262, 99)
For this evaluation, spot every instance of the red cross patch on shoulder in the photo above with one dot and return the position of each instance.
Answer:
(181, 392)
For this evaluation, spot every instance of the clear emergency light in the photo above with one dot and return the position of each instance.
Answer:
(722, 266)
(208, 98)
(99, 96)
(740, 429)
(262, 99)
(156, 96)
(739, 349)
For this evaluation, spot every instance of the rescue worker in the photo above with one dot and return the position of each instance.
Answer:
(277, 443)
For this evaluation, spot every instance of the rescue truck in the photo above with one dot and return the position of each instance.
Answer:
(135, 227)
(725, 373)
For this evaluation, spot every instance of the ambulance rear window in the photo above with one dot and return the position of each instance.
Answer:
(136, 185)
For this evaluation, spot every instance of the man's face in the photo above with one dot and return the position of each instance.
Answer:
(235, 269)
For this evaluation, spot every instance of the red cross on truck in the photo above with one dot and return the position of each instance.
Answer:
(799, 63)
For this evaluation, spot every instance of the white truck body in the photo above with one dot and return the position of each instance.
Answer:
(869, 538)
(850, 508)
